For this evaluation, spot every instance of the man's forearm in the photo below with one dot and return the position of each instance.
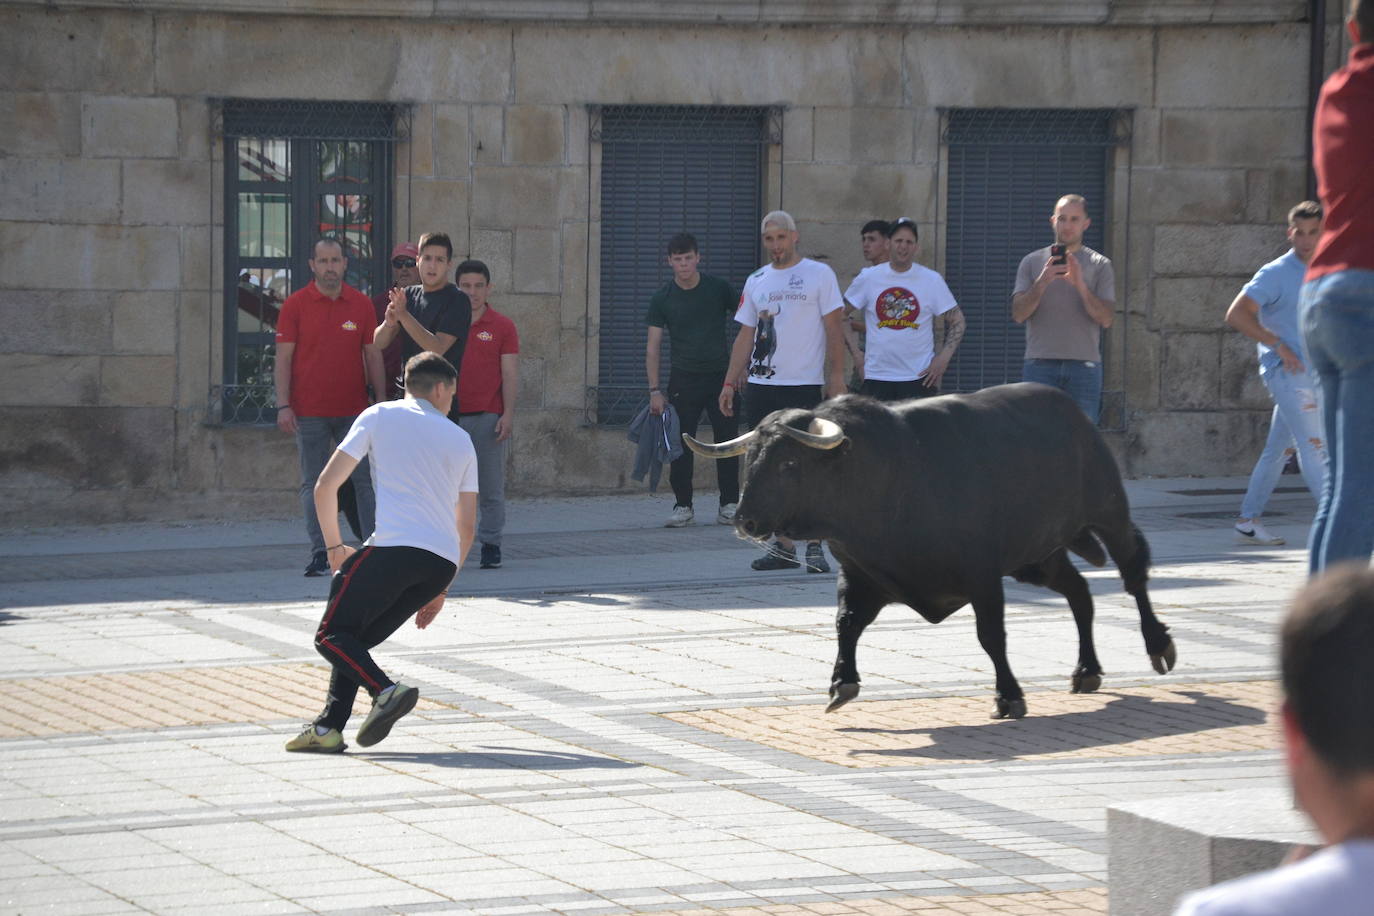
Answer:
(955, 325)
(376, 372)
(1097, 310)
(651, 367)
(384, 335)
(739, 355)
(281, 379)
(420, 334)
(1023, 305)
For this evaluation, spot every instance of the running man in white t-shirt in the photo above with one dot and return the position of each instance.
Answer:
(424, 472)
(899, 301)
(791, 340)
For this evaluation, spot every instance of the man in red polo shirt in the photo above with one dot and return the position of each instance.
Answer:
(488, 382)
(1337, 305)
(325, 360)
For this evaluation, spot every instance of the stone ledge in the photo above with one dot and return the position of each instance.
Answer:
(744, 12)
(1160, 849)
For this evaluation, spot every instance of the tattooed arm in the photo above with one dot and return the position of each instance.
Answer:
(954, 332)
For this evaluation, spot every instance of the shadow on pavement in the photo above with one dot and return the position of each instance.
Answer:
(1124, 719)
(505, 758)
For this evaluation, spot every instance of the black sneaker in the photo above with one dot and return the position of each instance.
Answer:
(319, 565)
(815, 559)
(491, 556)
(777, 557)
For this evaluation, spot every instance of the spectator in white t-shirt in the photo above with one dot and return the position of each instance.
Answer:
(792, 341)
(1328, 733)
(425, 473)
(899, 301)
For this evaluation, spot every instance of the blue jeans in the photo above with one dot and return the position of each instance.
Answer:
(1296, 422)
(316, 438)
(1080, 380)
(1337, 316)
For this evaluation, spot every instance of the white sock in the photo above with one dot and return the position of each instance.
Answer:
(321, 730)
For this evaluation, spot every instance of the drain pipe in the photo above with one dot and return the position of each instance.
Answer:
(1316, 72)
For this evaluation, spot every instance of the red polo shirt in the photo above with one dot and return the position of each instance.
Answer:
(479, 377)
(1343, 158)
(328, 378)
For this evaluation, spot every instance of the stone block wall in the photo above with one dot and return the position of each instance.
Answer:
(111, 197)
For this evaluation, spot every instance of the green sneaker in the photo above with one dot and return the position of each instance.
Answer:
(378, 723)
(331, 742)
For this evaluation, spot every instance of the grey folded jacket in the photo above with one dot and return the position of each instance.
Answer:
(660, 442)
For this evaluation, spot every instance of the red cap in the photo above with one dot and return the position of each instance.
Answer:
(406, 249)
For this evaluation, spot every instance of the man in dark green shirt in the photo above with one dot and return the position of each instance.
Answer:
(694, 308)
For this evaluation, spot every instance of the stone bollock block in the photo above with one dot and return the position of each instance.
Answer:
(137, 381)
(856, 192)
(118, 126)
(145, 323)
(415, 155)
(1193, 443)
(54, 323)
(40, 124)
(110, 257)
(538, 261)
(441, 206)
(59, 190)
(488, 133)
(85, 447)
(516, 196)
(1215, 250)
(49, 381)
(1255, 137)
(495, 248)
(452, 152)
(1193, 303)
(798, 134)
(535, 134)
(1029, 68)
(850, 135)
(159, 192)
(47, 49)
(1190, 374)
(1175, 195)
(1239, 375)
(570, 64)
(573, 279)
(1231, 67)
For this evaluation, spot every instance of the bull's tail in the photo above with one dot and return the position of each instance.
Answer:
(1087, 546)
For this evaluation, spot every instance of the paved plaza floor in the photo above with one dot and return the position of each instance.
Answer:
(624, 719)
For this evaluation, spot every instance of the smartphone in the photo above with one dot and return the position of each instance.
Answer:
(1058, 254)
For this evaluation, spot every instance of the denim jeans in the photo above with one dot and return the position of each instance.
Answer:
(1080, 380)
(1337, 317)
(491, 475)
(1296, 422)
(316, 438)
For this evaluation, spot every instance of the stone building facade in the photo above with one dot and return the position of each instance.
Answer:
(112, 196)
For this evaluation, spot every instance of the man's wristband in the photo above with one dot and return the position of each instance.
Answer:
(727, 385)
(655, 391)
(282, 407)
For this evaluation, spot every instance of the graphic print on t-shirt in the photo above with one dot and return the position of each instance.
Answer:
(896, 308)
(765, 345)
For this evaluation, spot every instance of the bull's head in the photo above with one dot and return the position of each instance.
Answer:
(789, 476)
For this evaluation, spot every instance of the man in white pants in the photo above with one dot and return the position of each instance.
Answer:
(1266, 311)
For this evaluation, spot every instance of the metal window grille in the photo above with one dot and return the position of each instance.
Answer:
(295, 171)
(668, 169)
(1006, 168)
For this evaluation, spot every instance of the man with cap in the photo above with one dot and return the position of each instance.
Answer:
(404, 273)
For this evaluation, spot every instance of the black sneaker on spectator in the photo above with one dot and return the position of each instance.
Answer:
(815, 559)
(319, 565)
(491, 556)
(777, 557)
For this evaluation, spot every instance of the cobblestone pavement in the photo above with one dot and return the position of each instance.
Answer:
(624, 719)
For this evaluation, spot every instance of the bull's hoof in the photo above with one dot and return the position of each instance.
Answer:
(841, 694)
(1009, 709)
(1083, 682)
(1164, 662)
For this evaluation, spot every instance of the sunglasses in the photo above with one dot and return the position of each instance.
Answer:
(402, 263)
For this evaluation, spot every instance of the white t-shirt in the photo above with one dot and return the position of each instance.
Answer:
(1337, 881)
(898, 308)
(421, 460)
(784, 307)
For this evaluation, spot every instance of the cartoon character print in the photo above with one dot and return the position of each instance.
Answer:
(765, 345)
(897, 308)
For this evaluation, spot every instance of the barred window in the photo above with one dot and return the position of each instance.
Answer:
(295, 171)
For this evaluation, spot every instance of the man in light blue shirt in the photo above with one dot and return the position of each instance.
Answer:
(1267, 312)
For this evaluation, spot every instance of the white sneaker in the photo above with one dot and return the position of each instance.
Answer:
(682, 517)
(1255, 533)
(726, 515)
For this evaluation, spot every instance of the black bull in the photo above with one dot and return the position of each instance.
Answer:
(931, 502)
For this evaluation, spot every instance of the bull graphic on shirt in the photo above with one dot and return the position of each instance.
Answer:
(765, 345)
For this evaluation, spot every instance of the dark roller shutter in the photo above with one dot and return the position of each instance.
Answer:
(664, 170)
(1007, 167)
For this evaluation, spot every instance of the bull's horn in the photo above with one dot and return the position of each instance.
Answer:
(728, 449)
(822, 434)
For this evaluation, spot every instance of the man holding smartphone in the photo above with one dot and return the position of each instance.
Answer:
(1065, 295)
